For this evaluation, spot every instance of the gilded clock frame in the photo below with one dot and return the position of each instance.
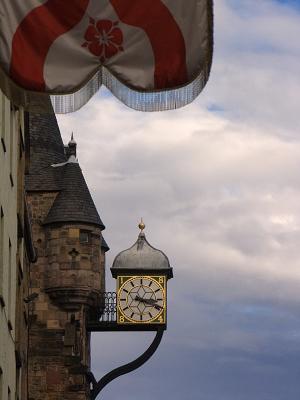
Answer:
(161, 318)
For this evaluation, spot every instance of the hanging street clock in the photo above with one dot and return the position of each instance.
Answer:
(142, 273)
(141, 299)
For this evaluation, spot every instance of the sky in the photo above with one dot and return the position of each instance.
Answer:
(218, 186)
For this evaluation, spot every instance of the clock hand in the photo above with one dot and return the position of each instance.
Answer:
(147, 301)
(151, 302)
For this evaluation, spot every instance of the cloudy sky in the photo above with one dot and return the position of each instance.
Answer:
(218, 185)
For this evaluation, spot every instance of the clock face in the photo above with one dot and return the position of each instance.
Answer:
(141, 299)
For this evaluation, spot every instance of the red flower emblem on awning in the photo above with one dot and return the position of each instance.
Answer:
(103, 38)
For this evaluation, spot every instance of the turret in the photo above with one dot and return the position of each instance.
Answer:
(69, 274)
(74, 274)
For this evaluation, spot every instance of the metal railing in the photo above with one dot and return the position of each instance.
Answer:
(108, 307)
(106, 317)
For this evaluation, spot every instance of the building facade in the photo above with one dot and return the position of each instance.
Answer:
(68, 277)
(16, 254)
(52, 261)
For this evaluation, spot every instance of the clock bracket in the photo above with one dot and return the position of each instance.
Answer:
(97, 387)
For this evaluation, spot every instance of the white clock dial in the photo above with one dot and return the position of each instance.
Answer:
(142, 299)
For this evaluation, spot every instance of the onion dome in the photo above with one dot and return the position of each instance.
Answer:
(141, 259)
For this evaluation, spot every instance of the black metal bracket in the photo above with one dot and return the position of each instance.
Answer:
(125, 369)
(115, 327)
(106, 321)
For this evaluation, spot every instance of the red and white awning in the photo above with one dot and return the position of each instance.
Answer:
(152, 54)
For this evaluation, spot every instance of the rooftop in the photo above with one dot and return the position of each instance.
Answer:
(52, 169)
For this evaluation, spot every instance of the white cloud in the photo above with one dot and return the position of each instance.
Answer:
(219, 192)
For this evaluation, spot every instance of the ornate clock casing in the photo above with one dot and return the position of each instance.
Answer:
(141, 299)
(142, 273)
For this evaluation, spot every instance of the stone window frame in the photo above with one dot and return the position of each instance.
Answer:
(84, 233)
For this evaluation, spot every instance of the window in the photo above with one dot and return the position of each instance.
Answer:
(2, 121)
(1, 383)
(11, 146)
(1, 255)
(18, 374)
(21, 144)
(84, 237)
(9, 299)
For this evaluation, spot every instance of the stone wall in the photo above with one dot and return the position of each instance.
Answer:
(67, 278)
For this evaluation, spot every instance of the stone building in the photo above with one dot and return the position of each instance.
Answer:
(16, 253)
(68, 276)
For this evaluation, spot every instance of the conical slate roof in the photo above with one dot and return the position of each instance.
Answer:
(74, 202)
(104, 245)
(46, 148)
(51, 171)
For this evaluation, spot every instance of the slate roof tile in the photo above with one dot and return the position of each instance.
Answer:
(104, 245)
(73, 202)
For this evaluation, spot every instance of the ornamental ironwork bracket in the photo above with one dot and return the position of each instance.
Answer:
(107, 322)
(125, 369)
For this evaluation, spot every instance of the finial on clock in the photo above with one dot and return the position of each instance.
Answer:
(142, 226)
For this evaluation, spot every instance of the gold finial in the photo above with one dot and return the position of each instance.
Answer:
(142, 226)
